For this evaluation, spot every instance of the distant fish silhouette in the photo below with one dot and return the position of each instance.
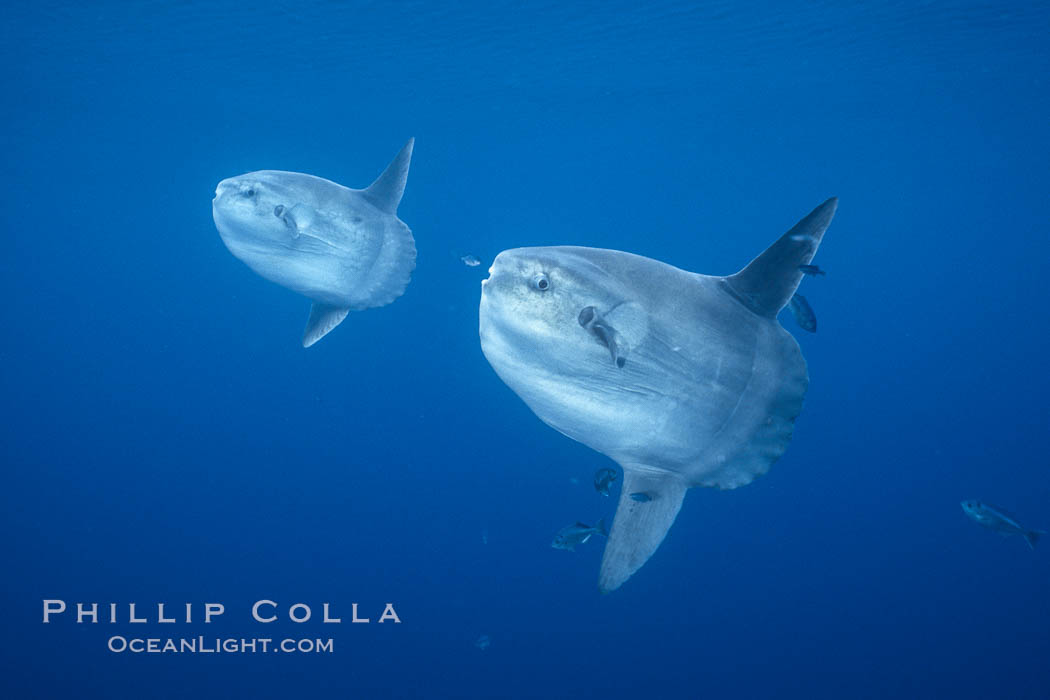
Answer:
(602, 479)
(813, 270)
(571, 535)
(997, 519)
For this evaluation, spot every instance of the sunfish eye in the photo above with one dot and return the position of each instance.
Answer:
(541, 282)
(278, 210)
(250, 192)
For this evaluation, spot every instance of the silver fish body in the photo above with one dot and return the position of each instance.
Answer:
(998, 520)
(571, 535)
(603, 478)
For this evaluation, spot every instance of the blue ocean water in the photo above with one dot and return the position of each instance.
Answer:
(166, 439)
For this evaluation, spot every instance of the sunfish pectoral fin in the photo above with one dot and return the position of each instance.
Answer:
(631, 327)
(385, 193)
(768, 282)
(323, 318)
(301, 216)
(611, 340)
(630, 324)
(297, 218)
(639, 527)
(591, 320)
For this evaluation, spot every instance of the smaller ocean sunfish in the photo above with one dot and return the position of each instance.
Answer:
(571, 535)
(995, 518)
(344, 249)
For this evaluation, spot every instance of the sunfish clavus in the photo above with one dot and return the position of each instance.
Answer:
(683, 379)
(343, 248)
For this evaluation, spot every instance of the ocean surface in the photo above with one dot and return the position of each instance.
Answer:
(166, 439)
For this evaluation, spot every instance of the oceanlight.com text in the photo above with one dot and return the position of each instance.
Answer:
(218, 645)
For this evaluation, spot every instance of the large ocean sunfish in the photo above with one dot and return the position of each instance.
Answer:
(683, 379)
(344, 249)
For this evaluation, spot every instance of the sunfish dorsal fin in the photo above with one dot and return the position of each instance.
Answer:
(323, 318)
(639, 527)
(768, 282)
(385, 193)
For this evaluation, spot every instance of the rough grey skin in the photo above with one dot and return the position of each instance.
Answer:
(691, 381)
(996, 519)
(344, 249)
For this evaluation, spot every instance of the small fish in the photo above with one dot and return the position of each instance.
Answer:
(483, 642)
(995, 518)
(804, 316)
(641, 497)
(470, 260)
(813, 270)
(484, 535)
(571, 535)
(802, 238)
(602, 479)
